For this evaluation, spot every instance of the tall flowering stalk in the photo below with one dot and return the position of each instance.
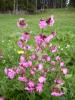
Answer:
(38, 60)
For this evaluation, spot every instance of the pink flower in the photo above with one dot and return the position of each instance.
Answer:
(1, 98)
(42, 79)
(57, 92)
(30, 63)
(10, 73)
(29, 89)
(61, 64)
(33, 57)
(25, 36)
(53, 63)
(22, 59)
(58, 58)
(59, 81)
(49, 38)
(42, 24)
(50, 21)
(32, 72)
(24, 64)
(39, 87)
(38, 39)
(40, 67)
(21, 23)
(48, 58)
(27, 47)
(64, 70)
(31, 84)
(22, 79)
(17, 70)
(53, 49)
(20, 44)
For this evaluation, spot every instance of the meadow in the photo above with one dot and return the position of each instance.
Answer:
(9, 35)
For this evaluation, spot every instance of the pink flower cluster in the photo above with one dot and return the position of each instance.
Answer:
(38, 60)
(43, 23)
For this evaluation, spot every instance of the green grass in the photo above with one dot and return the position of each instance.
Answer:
(9, 34)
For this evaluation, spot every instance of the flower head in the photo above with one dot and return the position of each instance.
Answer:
(22, 79)
(59, 81)
(64, 70)
(42, 79)
(53, 49)
(39, 87)
(42, 24)
(21, 23)
(57, 92)
(10, 73)
(50, 21)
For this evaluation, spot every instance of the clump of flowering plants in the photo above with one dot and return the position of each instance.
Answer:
(39, 59)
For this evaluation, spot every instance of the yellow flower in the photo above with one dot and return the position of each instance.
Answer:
(20, 52)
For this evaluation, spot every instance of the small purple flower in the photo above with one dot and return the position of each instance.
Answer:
(20, 43)
(42, 24)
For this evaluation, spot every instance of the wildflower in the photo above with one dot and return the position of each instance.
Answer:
(57, 58)
(29, 89)
(20, 43)
(40, 67)
(53, 49)
(31, 84)
(10, 73)
(64, 70)
(48, 58)
(27, 47)
(30, 63)
(22, 79)
(53, 63)
(38, 39)
(21, 23)
(25, 36)
(50, 21)
(34, 57)
(32, 72)
(57, 92)
(42, 24)
(42, 79)
(24, 64)
(61, 64)
(22, 58)
(49, 38)
(20, 52)
(59, 81)
(39, 87)
(1, 98)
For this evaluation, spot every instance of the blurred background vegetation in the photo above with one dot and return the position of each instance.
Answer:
(10, 6)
